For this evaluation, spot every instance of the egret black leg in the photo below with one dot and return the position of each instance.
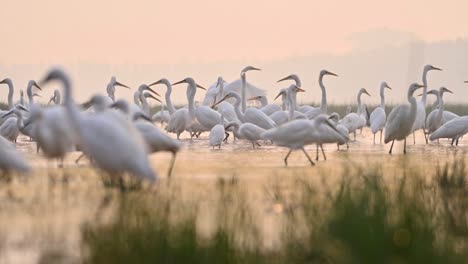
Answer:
(323, 152)
(391, 147)
(286, 158)
(171, 167)
(308, 157)
(404, 146)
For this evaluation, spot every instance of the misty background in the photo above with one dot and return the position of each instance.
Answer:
(376, 55)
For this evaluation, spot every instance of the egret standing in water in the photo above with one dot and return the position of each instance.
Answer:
(435, 119)
(109, 140)
(378, 116)
(401, 120)
(355, 121)
(217, 134)
(183, 118)
(420, 121)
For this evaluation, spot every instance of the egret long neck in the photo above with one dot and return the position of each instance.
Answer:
(284, 99)
(10, 95)
(169, 104)
(30, 95)
(323, 104)
(424, 94)
(191, 90)
(359, 105)
(382, 97)
(72, 111)
(239, 113)
(291, 106)
(111, 91)
(136, 98)
(441, 107)
(243, 92)
(144, 104)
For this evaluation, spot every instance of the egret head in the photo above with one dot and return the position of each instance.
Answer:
(335, 117)
(33, 83)
(6, 81)
(146, 95)
(434, 92)
(413, 87)
(249, 68)
(325, 72)
(190, 80)
(282, 92)
(385, 85)
(227, 96)
(292, 77)
(364, 91)
(429, 67)
(444, 90)
(145, 87)
(161, 81)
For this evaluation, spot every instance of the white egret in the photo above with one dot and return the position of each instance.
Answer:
(401, 119)
(217, 134)
(311, 114)
(435, 119)
(243, 75)
(378, 117)
(251, 115)
(162, 115)
(355, 121)
(453, 129)
(108, 138)
(282, 117)
(144, 103)
(11, 90)
(110, 89)
(326, 132)
(246, 131)
(297, 81)
(420, 121)
(344, 132)
(155, 139)
(56, 98)
(447, 115)
(297, 134)
(11, 159)
(183, 118)
(10, 128)
(137, 106)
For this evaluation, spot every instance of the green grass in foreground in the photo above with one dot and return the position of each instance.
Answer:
(365, 219)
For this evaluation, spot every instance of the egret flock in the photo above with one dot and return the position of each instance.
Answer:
(117, 136)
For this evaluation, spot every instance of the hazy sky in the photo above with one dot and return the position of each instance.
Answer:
(153, 31)
(365, 41)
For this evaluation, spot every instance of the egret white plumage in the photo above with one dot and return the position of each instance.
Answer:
(217, 134)
(435, 119)
(251, 115)
(311, 114)
(453, 129)
(10, 127)
(110, 89)
(447, 115)
(155, 139)
(163, 116)
(401, 119)
(11, 159)
(109, 139)
(378, 117)
(183, 118)
(420, 122)
(243, 75)
(246, 131)
(298, 83)
(355, 121)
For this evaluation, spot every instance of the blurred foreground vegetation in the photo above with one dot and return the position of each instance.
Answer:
(362, 218)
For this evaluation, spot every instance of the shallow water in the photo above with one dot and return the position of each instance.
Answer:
(41, 214)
